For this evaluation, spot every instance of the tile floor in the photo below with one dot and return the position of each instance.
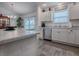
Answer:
(34, 47)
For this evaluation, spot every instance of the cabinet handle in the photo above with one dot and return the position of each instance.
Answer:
(71, 30)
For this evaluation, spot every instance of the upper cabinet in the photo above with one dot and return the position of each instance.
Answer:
(74, 12)
(60, 14)
(46, 14)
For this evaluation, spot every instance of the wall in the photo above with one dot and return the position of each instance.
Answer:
(6, 11)
(74, 15)
(39, 13)
(29, 14)
(74, 12)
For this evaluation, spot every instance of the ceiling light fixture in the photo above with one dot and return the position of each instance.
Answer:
(44, 5)
(60, 5)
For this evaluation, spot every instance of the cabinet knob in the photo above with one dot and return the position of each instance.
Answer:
(71, 30)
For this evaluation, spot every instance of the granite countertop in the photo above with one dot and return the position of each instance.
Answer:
(7, 36)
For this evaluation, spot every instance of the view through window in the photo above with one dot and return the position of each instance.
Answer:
(29, 23)
(61, 16)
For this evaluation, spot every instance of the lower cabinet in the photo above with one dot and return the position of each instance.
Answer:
(71, 36)
(76, 40)
(66, 35)
(63, 35)
(59, 35)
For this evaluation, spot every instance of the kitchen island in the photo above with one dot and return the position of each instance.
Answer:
(17, 34)
(18, 42)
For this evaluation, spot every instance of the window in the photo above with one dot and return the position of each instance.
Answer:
(61, 16)
(29, 23)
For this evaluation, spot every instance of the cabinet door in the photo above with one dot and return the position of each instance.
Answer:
(71, 36)
(55, 34)
(76, 36)
(46, 16)
(59, 34)
(63, 35)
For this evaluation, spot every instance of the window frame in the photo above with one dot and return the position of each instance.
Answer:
(61, 17)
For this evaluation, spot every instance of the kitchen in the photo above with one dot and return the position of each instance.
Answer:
(33, 26)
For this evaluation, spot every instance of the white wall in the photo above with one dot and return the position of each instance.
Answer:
(74, 15)
(39, 13)
(74, 12)
(29, 14)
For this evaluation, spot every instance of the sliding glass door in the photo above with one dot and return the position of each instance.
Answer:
(29, 23)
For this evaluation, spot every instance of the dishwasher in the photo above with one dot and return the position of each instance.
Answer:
(47, 33)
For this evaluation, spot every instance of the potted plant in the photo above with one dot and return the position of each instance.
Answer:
(19, 19)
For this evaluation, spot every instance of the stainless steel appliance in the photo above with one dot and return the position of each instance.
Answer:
(47, 31)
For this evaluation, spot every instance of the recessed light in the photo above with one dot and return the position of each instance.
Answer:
(44, 5)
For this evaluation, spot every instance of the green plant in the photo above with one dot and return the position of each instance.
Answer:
(19, 22)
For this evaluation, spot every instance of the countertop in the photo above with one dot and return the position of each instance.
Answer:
(8, 36)
(73, 28)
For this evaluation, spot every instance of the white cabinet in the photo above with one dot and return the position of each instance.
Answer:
(55, 34)
(71, 36)
(46, 16)
(76, 40)
(40, 31)
(59, 35)
(64, 35)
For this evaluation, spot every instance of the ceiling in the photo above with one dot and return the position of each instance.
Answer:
(20, 8)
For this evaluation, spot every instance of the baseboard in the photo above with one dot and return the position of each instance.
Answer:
(70, 44)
